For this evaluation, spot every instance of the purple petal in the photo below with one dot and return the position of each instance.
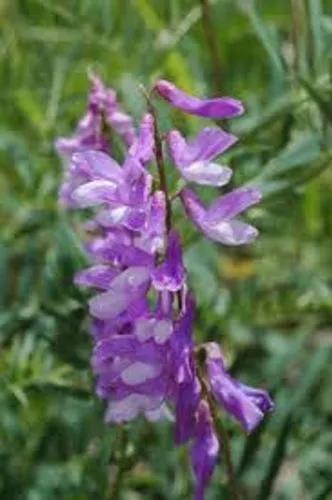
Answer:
(210, 174)
(123, 124)
(143, 147)
(152, 238)
(207, 145)
(205, 449)
(96, 165)
(245, 404)
(123, 290)
(216, 108)
(130, 407)
(99, 276)
(230, 233)
(193, 206)
(215, 223)
(120, 254)
(94, 193)
(228, 206)
(187, 400)
(158, 329)
(137, 183)
(171, 274)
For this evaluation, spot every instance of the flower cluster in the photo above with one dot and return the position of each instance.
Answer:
(144, 357)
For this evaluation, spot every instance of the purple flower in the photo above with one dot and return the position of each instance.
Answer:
(244, 403)
(124, 289)
(215, 108)
(205, 449)
(170, 275)
(195, 159)
(91, 134)
(142, 313)
(218, 222)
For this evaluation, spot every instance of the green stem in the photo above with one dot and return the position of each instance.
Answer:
(120, 459)
(159, 159)
(212, 43)
(299, 34)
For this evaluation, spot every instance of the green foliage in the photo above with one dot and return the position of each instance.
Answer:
(270, 306)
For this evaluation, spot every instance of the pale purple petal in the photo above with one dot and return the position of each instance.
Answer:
(161, 413)
(123, 290)
(193, 206)
(139, 372)
(215, 108)
(94, 193)
(153, 328)
(231, 204)
(123, 124)
(233, 232)
(130, 407)
(96, 165)
(137, 183)
(216, 222)
(207, 173)
(99, 276)
(109, 305)
(206, 146)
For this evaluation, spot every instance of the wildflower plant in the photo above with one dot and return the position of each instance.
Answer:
(145, 357)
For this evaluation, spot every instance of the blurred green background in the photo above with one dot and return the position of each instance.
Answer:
(270, 306)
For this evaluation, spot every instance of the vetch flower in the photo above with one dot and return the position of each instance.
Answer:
(145, 358)
(246, 404)
(219, 222)
(205, 449)
(216, 108)
(194, 160)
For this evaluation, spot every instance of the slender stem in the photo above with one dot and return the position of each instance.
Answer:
(212, 43)
(159, 159)
(121, 444)
(228, 459)
(299, 34)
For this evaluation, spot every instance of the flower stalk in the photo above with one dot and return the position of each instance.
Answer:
(159, 158)
(145, 358)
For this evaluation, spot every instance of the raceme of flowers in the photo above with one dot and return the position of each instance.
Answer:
(145, 358)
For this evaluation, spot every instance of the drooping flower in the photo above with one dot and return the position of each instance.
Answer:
(219, 222)
(205, 449)
(216, 108)
(246, 404)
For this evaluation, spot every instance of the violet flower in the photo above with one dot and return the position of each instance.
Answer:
(215, 108)
(245, 404)
(142, 312)
(218, 222)
(103, 109)
(194, 160)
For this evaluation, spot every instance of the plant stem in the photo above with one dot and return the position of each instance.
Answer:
(228, 459)
(212, 43)
(299, 34)
(121, 444)
(159, 159)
